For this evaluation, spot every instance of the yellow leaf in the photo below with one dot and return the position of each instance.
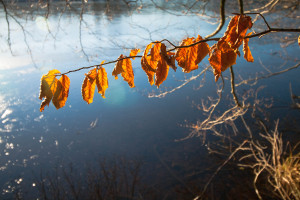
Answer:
(48, 87)
(148, 65)
(62, 92)
(88, 88)
(101, 81)
(118, 67)
(127, 73)
(92, 74)
(247, 53)
(299, 40)
(134, 52)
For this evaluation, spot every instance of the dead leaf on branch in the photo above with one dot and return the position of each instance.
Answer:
(94, 77)
(134, 52)
(124, 67)
(299, 40)
(62, 92)
(247, 53)
(88, 86)
(157, 63)
(188, 58)
(54, 89)
(102, 81)
(224, 53)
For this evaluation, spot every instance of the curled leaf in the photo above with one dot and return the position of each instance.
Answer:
(62, 92)
(134, 52)
(88, 87)
(224, 53)
(48, 87)
(101, 81)
(127, 73)
(118, 67)
(247, 53)
(299, 40)
(148, 65)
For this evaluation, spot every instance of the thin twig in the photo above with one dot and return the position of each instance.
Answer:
(222, 15)
(233, 88)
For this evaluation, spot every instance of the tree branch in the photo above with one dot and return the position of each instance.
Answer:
(233, 88)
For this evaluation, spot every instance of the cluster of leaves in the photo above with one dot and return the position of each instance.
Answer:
(156, 61)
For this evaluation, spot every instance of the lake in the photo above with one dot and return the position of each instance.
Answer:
(127, 125)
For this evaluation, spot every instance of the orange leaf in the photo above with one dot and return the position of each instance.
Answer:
(62, 92)
(224, 53)
(134, 52)
(247, 53)
(299, 40)
(169, 57)
(221, 59)
(118, 67)
(148, 65)
(88, 87)
(188, 58)
(127, 73)
(162, 71)
(236, 30)
(48, 87)
(101, 81)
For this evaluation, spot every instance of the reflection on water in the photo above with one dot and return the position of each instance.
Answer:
(126, 122)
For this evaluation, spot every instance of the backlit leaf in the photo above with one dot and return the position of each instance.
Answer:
(247, 53)
(134, 52)
(162, 71)
(48, 87)
(118, 67)
(62, 92)
(148, 65)
(88, 87)
(299, 40)
(224, 53)
(101, 81)
(188, 58)
(127, 73)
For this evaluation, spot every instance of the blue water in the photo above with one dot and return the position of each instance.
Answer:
(126, 122)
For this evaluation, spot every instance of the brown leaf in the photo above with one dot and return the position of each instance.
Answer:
(169, 57)
(134, 52)
(236, 30)
(221, 59)
(102, 81)
(62, 92)
(48, 87)
(88, 88)
(299, 40)
(189, 57)
(162, 71)
(247, 53)
(224, 53)
(118, 67)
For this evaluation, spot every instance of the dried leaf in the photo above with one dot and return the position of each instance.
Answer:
(169, 57)
(48, 87)
(62, 92)
(127, 73)
(118, 67)
(92, 74)
(247, 53)
(224, 53)
(102, 81)
(162, 71)
(148, 65)
(236, 30)
(134, 52)
(188, 58)
(221, 59)
(299, 40)
(88, 88)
